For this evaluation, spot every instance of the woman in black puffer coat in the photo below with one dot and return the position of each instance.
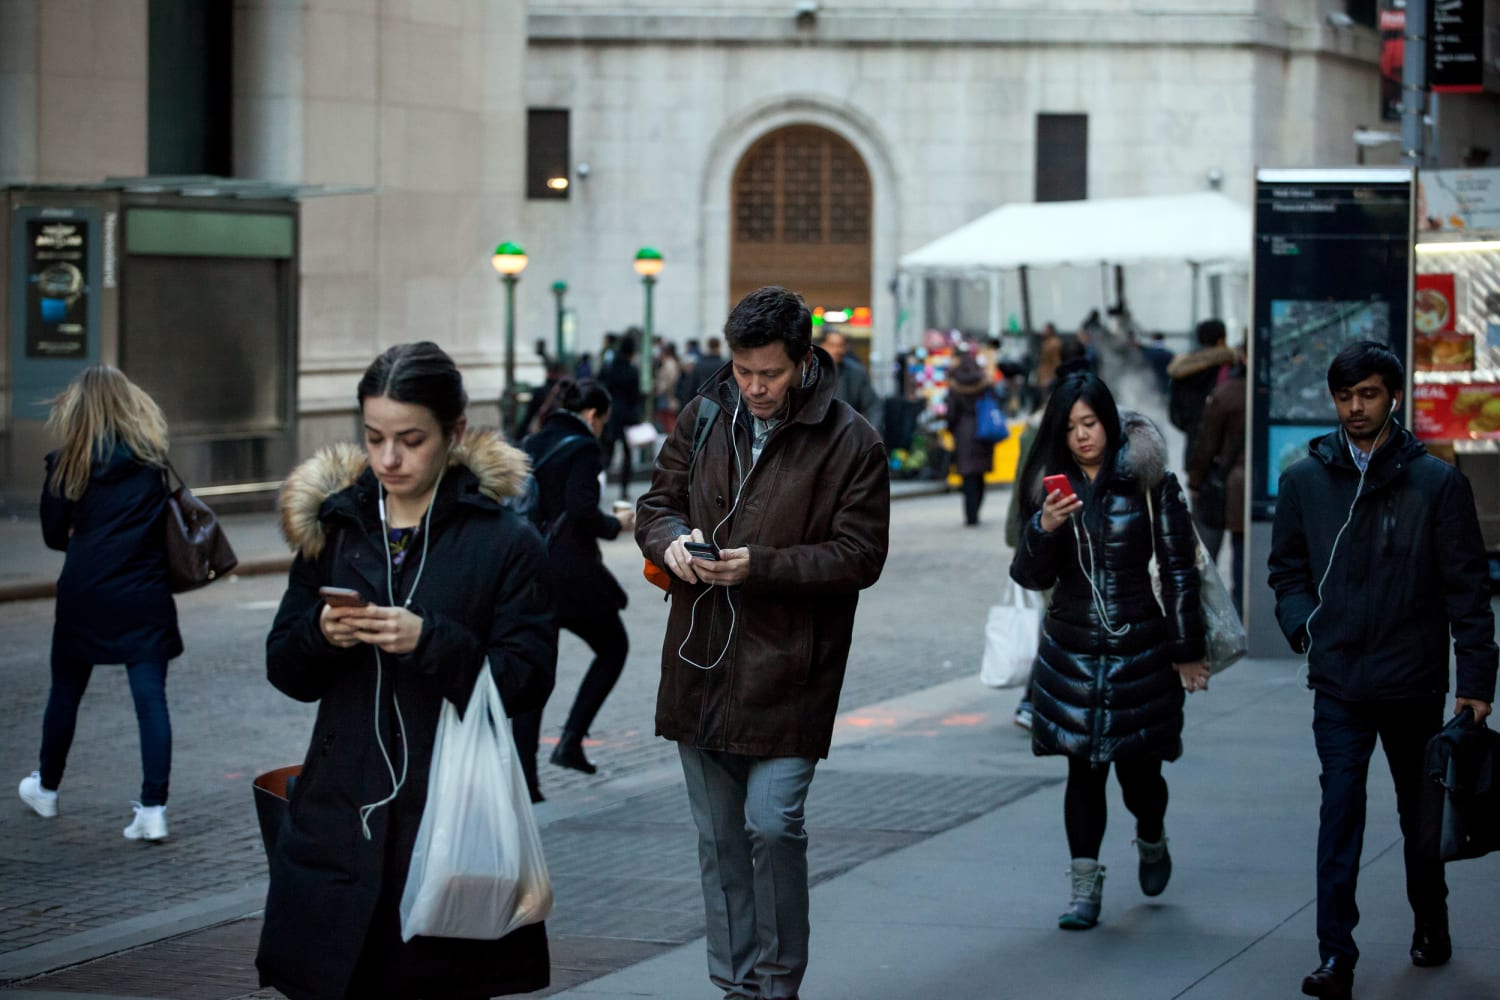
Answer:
(1113, 663)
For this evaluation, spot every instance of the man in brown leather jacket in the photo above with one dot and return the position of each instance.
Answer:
(790, 488)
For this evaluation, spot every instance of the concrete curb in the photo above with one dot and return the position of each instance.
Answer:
(133, 933)
(38, 590)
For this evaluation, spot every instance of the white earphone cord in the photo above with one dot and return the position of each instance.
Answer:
(1348, 518)
(713, 536)
(365, 811)
(1094, 587)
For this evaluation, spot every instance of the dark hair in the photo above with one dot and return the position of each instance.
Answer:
(767, 315)
(584, 394)
(1362, 359)
(421, 374)
(1211, 333)
(625, 346)
(1050, 454)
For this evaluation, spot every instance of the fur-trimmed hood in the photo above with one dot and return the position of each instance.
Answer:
(499, 467)
(1143, 457)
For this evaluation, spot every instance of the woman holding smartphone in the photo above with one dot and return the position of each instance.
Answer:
(104, 504)
(566, 461)
(1107, 687)
(447, 582)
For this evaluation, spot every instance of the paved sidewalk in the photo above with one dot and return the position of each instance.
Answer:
(937, 851)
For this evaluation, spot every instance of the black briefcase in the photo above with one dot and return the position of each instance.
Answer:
(1461, 795)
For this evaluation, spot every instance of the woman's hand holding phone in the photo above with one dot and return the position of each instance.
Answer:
(393, 630)
(1061, 503)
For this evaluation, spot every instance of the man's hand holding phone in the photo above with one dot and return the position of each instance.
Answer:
(1061, 502)
(698, 561)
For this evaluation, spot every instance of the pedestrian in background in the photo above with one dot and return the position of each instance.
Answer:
(1194, 375)
(1216, 473)
(792, 490)
(104, 504)
(622, 380)
(1376, 558)
(974, 458)
(453, 583)
(1112, 666)
(566, 463)
(668, 374)
(853, 385)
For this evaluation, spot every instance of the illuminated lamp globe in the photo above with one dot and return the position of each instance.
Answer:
(648, 262)
(509, 259)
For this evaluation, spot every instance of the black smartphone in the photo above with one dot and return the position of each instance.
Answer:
(342, 597)
(702, 550)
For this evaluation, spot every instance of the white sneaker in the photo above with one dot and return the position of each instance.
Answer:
(43, 802)
(150, 823)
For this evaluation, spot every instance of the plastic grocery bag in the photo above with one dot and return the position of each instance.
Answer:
(477, 869)
(1010, 637)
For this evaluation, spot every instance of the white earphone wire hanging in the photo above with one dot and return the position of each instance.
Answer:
(365, 811)
(713, 537)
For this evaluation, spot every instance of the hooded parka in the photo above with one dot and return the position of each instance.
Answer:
(483, 598)
(815, 513)
(1410, 567)
(114, 603)
(1094, 694)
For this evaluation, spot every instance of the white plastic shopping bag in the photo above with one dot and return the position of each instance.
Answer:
(1010, 637)
(477, 869)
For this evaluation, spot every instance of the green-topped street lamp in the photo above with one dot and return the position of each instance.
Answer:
(509, 261)
(648, 264)
(559, 289)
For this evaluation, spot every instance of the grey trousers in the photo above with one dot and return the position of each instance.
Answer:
(752, 854)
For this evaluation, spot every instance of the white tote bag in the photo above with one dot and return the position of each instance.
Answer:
(1010, 637)
(477, 869)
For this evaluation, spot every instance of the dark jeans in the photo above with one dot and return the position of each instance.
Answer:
(1085, 808)
(973, 497)
(605, 635)
(148, 688)
(1345, 734)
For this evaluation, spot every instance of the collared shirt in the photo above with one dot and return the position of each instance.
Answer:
(1360, 456)
(760, 431)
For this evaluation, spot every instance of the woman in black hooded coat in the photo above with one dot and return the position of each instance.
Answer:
(455, 583)
(1113, 663)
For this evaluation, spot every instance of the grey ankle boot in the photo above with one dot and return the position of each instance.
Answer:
(1156, 866)
(1086, 876)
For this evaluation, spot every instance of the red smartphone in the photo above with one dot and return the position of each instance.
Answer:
(1050, 483)
(342, 597)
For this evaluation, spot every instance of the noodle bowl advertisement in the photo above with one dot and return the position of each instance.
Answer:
(1437, 345)
(1457, 412)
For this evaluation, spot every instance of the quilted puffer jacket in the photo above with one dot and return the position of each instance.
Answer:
(1104, 687)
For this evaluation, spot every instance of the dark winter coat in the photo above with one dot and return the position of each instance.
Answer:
(1410, 566)
(1221, 442)
(484, 601)
(568, 494)
(1095, 695)
(815, 514)
(114, 604)
(972, 456)
(622, 379)
(854, 387)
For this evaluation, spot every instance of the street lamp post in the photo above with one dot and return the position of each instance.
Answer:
(648, 264)
(559, 289)
(509, 261)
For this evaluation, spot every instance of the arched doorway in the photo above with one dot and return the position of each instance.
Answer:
(801, 210)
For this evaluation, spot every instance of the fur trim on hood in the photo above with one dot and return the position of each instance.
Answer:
(500, 467)
(1143, 457)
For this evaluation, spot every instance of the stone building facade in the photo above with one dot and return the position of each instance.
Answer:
(748, 140)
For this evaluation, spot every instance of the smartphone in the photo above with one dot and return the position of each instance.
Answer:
(1050, 483)
(342, 597)
(702, 550)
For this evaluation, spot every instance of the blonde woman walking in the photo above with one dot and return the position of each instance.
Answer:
(103, 504)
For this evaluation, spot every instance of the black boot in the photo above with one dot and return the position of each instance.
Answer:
(1333, 980)
(569, 753)
(1430, 943)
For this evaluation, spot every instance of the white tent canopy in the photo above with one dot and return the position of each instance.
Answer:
(1205, 227)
